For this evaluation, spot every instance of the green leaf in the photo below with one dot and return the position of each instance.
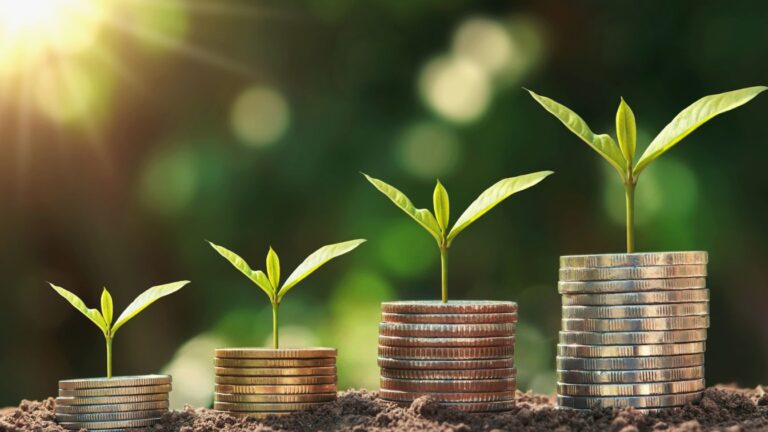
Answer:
(107, 308)
(626, 132)
(691, 118)
(273, 268)
(256, 277)
(144, 300)
(442, 206)
(317, 259)
(92, 314)
(493, 196)
(422, 216)
(603, 144)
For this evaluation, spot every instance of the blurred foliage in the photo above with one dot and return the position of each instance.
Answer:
(247, 123)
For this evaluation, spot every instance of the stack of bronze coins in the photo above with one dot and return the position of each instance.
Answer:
(258, 382)
(112, 403)
(634, 330)
(460, 353)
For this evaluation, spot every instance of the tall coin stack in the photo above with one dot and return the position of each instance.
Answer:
(634, 330)
(112, 403)
(460, 353)
(258, 382)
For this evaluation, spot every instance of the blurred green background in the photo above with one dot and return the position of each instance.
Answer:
(133, 130)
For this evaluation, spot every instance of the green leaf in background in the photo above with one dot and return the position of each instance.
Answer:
(107, 308)
(145, 299)
(603, 144)
(691, 118)
(493, 196)
(422, 216)
(442, 206)
(273, 268)
(258, 278)
(92, 314)
(317, 259)
(626, 132)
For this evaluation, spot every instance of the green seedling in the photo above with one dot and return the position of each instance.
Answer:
(437, 224)
(622, 156)
(269, 282)
(103, 319)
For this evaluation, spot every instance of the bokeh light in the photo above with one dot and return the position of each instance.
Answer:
(260, 116)
(486, 42)
(455, 88)
(73, 93)
(161, 25)
(429, 150)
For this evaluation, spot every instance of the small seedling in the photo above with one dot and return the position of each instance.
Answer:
(103, 319)
(622, 156)
(437, 224)
(270, 282)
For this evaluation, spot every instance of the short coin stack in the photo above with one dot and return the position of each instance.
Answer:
(634, 330)
(112, 403)
(258, 382)
(461, 353)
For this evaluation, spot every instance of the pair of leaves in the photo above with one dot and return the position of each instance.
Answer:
(437, 224)
(270, 282)
(621, 156)
(103, 318)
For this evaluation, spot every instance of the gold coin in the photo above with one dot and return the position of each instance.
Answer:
(110, 408)
(391, 363)
(268, 407)
(121, 381)
(406, 396)
(274, 398)
(272, 363)
(109, 400)
(490, 385)
(632, 273)
(276, 380)
(480, 407)
(458, 374)
(449, 318)
(635, 325)
(275, 389)
(297, 371)
(271, 353)
(116, 391)
(629, 363)
(437, 353)
(644, 259)
(109, 424)
(109, 416)
(662, 401)
(399, 341)
(640, 311)
(451, 307)
(446, 330)
(566, 350)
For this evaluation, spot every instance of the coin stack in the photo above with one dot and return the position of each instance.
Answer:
(112, 403)
(460, 353)
(634, 330)
(258, 382)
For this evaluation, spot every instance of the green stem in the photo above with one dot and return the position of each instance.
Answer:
(109, 357)
(629, 193)
(444, 272)
(275, 342)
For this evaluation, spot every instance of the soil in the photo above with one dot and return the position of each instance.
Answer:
(723, 408)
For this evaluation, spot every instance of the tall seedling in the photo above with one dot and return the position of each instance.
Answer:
(269, 282)
(437, 224)
(103, 319)
(622, 156)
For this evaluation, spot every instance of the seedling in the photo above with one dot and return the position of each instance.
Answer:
(621, 156)
(269, 282)
(437, 224)
(103, 319)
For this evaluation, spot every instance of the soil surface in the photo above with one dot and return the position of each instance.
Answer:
(722, 408)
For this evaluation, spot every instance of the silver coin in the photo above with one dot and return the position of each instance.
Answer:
(630, 376)
(456, 374)
(633, 338)
(399, 341)
(478, 407)
(581, 402)
(624, 286)
(109, 424)
(632, 273)
(643, 311)
(116, 391)
(266, 407)
(629, 363)
(446, 330)
(486, 318)
(108, 400)
(473, 397)
(641, 389)
(644, 259)
(110, 408)
(451, 307)
(566, 350)
(445, 364)
(119, 381)
(109, 416)
(637, 298)
(633, 325)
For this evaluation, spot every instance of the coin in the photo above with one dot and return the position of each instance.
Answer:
(269, 407)
(459, 374)
(257, 415)
(633, 338)
(635, 298)
(275, 389)
(116, 391)
(618, 273)
(449, 318)
(566, 350)
(110, 408)
(405, 396)
(446, 330)
(274, 380)
(645, 259)
(445, 364)
(128, 381)
(619, 286)
(452, 307)
(109, 424)
(274, 398)
(630, 363)
(581, 402)
(478, 407)
(105, 400)
(630, 376)
(643, 389)
(632, 325)
(298, 371)
(262, 363)
(499, 384)
(109, 416)
(643, 311)
(271, 353)
(439, 353)
(400, 341)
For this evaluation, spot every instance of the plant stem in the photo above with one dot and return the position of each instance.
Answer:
(629, 193)
(275, 342)
(109, 357)
(444, 272)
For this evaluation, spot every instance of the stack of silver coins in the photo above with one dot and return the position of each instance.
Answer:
(634, 330)
(460, 353)
(258, 382)
(112, 403)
